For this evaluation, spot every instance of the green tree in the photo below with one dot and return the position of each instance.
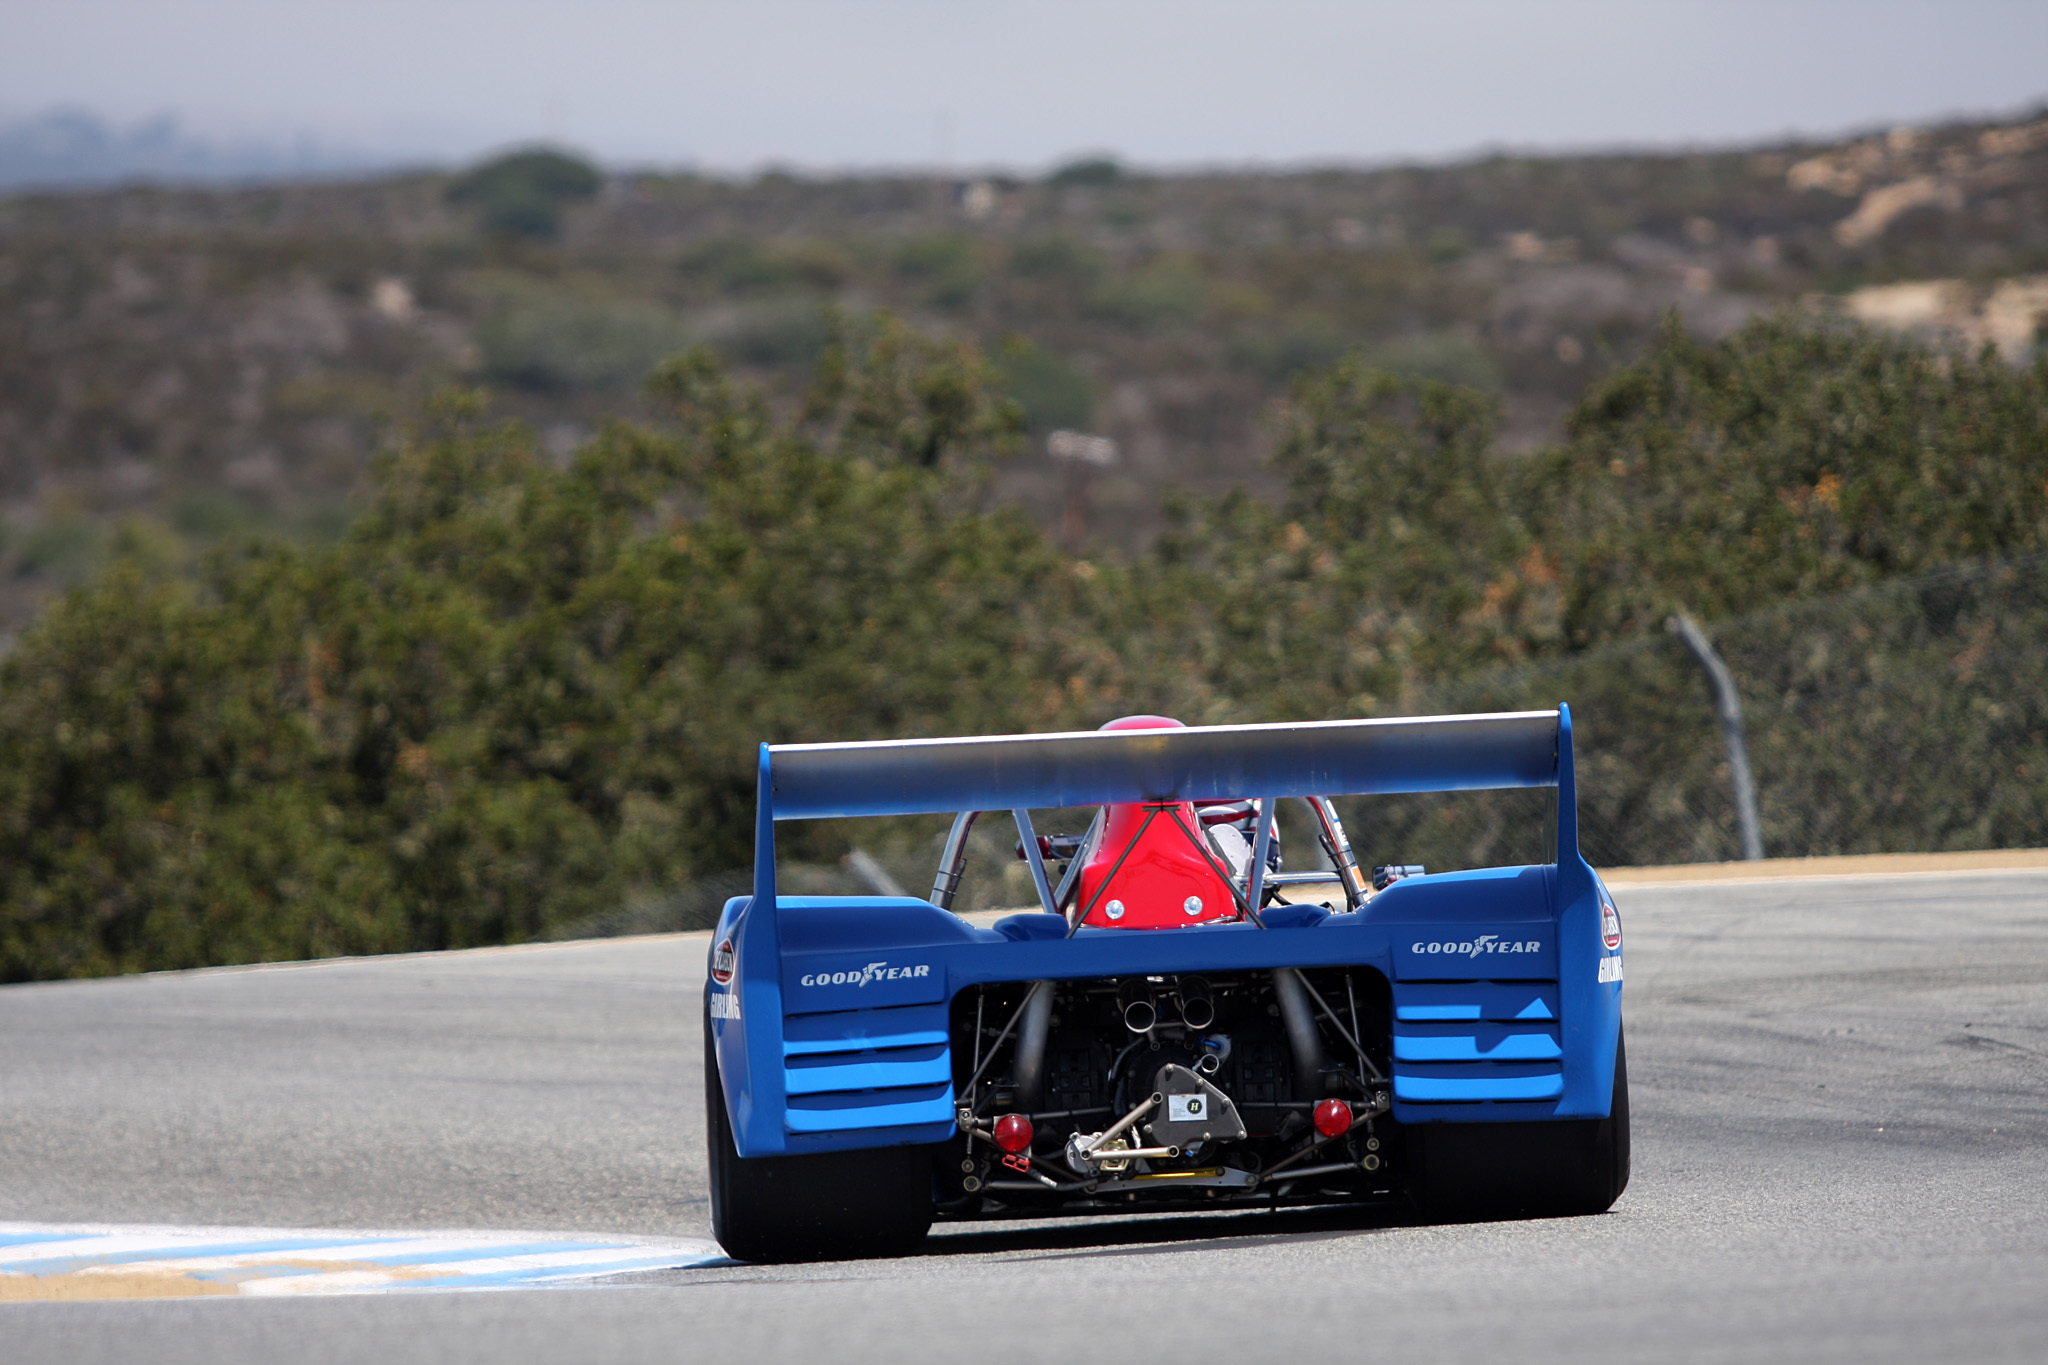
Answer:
(1788, 459)
(512, 694)
(523, 193)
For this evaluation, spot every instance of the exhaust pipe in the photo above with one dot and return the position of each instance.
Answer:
(1140, 1010)
(1032, 1031)
(1197, 1009)
(1300, 1021)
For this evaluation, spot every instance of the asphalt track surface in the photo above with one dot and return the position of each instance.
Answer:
(1841, 1153)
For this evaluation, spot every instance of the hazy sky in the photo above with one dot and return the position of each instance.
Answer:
(827, 83)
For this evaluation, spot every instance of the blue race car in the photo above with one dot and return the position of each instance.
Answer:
(1178, 1025)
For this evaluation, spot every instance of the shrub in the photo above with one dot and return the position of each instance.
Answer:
(523, 193)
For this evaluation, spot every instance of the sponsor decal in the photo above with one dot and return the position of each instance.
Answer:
(1610, 969)
(1185, 1108)
(1481, 946)
(1610, 925)
(721, 962)
(725, 1004)
(874, 971)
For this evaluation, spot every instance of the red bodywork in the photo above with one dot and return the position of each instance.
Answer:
(1154, 882)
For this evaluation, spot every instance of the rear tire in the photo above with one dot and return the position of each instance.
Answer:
(828, 1206)
(1525, 1170)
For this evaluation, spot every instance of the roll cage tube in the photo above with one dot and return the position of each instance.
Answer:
(1338, 845)
(1036, 858)
(1086, 850)
(953, 859)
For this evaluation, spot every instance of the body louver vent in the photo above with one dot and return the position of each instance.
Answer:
(864, 1069)
(1477, 1041)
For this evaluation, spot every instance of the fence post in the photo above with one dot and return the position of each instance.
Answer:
(1729, 707)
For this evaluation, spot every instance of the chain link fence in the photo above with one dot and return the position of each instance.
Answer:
(1911, 716)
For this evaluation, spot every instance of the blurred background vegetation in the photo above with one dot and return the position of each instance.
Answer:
(416, 563)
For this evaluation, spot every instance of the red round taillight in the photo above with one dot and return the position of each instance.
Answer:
(1013, 1133)
(1333, 1118)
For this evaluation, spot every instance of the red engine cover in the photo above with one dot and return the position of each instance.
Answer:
(1164, 882)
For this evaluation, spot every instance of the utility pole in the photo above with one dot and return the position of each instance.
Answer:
(942, 163)
(1080, 453)
(1728, 706)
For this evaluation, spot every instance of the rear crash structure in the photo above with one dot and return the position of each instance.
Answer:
(1167, 1030)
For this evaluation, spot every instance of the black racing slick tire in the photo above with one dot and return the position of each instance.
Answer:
(830, 1206)
(1524, 1170)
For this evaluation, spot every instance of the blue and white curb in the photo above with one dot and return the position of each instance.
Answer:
(68, 1261)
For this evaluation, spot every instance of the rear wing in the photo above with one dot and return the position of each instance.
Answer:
(1198, 763)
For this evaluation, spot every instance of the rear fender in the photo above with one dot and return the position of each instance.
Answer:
(1503, 1010)
(841, 1037)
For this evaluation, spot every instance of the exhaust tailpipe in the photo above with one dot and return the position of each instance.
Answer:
(1140, 1009)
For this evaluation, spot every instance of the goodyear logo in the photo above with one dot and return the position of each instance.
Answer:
(874, 971)
(1481, 946)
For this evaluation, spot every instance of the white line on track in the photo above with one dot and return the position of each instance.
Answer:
(71, 1261)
